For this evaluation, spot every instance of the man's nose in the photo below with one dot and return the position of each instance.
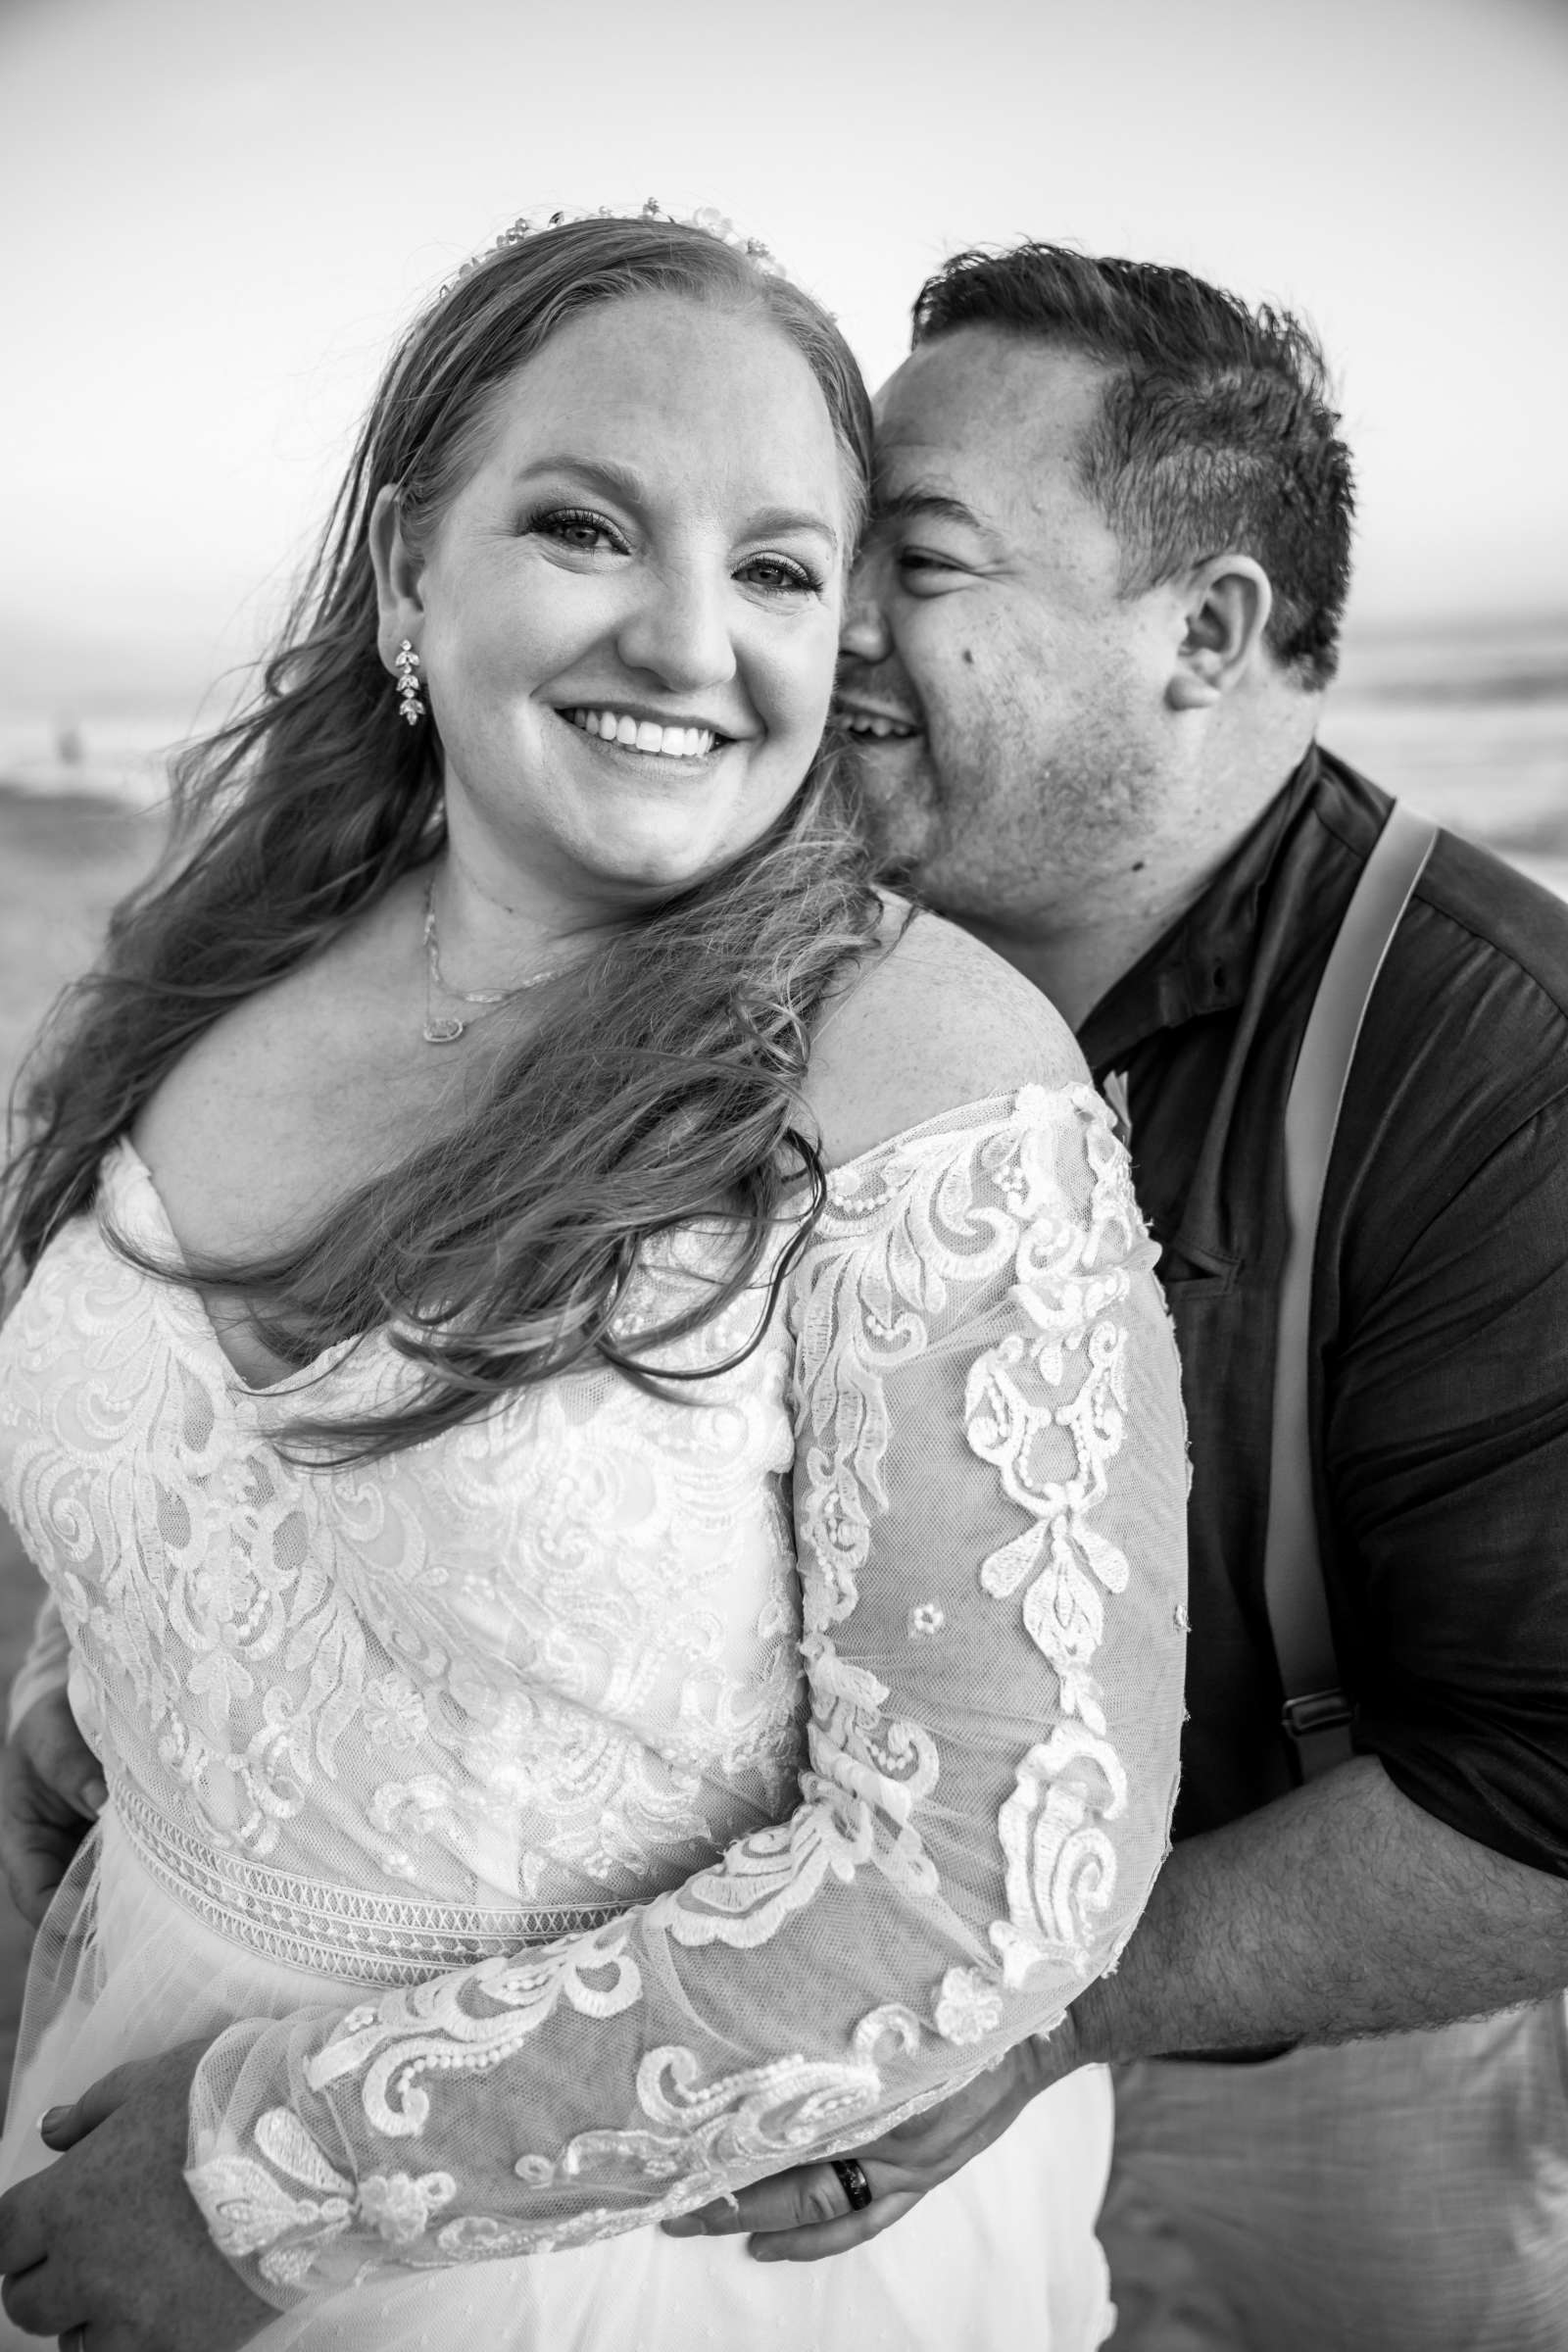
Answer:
(678, 631)
(864, 636)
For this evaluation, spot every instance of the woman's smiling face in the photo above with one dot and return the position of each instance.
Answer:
(653, 539)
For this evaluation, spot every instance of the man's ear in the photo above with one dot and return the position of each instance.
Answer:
(400, 609)
(1227, 608)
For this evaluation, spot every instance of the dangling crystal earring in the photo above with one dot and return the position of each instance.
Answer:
(407, 661)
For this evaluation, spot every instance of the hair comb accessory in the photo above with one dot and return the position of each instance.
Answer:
(708, 218)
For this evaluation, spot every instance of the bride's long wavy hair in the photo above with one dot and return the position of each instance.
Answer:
(661, 1086)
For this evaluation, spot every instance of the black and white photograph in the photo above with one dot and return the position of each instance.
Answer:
(784, 1207)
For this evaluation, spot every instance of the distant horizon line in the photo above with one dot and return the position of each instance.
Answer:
(55, 674)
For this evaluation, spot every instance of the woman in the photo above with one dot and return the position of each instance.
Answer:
(528, 1252)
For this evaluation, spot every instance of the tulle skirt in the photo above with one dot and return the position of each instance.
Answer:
(1001, 2256)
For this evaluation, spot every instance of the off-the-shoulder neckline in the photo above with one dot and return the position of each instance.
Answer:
(964, 1118)
(985, 1111)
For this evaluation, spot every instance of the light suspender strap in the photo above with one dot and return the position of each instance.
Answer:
(1317, 1713)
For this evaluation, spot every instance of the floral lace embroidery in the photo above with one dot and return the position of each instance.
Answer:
(359, 1655)
(1062, 1866)
(247, 2210)
(395, 2041)
(910, 1244)
(968, 2006)
(438, 1663)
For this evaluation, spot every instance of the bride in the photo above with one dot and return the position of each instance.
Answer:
(591, 1398)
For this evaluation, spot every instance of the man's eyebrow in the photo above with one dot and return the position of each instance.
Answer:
(626, 482)
(919, 504)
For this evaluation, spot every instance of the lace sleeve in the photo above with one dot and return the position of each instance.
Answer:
(45, 1668)
(989, 1494)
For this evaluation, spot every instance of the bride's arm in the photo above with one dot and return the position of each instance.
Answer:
(990, 1485)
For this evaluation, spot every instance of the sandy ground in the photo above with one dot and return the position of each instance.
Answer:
(62, 865)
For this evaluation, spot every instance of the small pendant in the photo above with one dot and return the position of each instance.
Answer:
(440, 1029)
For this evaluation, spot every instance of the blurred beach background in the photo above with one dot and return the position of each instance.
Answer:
(216, 223)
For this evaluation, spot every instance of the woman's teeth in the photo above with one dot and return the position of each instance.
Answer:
(643, 735)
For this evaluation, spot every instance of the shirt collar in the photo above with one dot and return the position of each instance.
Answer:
(1204, 962)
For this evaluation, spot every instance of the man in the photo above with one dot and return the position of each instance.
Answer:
(1098, 614)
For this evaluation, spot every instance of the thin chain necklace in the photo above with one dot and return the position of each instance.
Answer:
(445, 1028)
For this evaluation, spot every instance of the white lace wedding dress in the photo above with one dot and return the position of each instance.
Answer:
(593, 1808)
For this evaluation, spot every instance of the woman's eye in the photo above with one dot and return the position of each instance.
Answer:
(779, 575)
(578, 528)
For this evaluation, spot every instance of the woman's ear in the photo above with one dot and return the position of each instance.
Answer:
(1227, 610)
(399, 607)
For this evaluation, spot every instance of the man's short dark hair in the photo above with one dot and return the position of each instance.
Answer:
(1215, 431)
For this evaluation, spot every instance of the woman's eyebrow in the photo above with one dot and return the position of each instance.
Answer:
(789, 518)
(606, 474)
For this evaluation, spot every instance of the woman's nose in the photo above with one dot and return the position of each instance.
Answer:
(679, 632)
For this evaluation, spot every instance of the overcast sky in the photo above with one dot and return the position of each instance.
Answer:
(216, 215)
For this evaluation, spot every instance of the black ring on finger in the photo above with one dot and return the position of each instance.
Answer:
(854, 2183)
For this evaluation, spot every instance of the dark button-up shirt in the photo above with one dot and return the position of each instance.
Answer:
(1439, 1349)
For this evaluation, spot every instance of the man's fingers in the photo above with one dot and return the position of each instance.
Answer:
(61, 2128)
(781, 2204)
(22, 2238)
(34, 1856)
(31, 1884)
(74, 1778)
(810, 2197)
(816, 2243)
(87, 1788)
(40, 2300)
(709, 2220)
(34, 1861)
(50, 1786)
(803, 2216)
(49, 1737)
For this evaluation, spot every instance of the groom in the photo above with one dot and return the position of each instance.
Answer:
(1096, 622)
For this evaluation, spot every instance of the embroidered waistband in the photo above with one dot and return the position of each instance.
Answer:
(334, 1931)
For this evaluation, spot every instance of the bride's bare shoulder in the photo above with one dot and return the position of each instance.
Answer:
(932, 1021)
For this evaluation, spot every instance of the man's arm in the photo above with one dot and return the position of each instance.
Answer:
(1341, 1910)
(51, 1789)
(51, 1782)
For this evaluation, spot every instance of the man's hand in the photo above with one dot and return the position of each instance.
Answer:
(109, 2238)
(51, 1789)
(803, 2215)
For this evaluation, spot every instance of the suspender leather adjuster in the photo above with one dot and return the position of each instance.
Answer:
(1316, 1711)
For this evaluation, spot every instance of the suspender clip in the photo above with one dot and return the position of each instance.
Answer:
(1318, 1729)
(1318, 1711)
